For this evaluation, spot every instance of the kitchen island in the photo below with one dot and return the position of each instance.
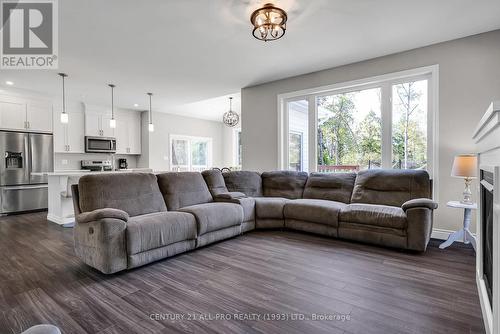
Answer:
(60, 201)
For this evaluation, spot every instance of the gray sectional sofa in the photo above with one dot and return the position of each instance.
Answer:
(125, 220)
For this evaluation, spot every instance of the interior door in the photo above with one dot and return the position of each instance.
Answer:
(41, 150)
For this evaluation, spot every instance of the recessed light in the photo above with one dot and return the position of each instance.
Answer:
(10, 83)
(136, 104)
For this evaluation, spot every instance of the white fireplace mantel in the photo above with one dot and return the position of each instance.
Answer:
(487, 139)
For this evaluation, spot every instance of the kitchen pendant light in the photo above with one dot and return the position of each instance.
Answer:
(64, 115)
(151, 126)
(230, 118)
(112, 121)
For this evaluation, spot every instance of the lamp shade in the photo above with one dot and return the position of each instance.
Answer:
(464, 165)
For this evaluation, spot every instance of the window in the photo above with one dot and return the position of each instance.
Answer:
(237, 148)
(295, 147)
(349, 131)
(298, 129)
(190, 153)
(380, 122)
(409, 125)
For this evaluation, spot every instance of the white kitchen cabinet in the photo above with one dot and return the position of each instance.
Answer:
(97, 124)
(39, 116)
(128, 132)
(25, 114)
(70, 137)
(107, 131)
(12, 114)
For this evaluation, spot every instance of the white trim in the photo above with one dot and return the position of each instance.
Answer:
(361, 82)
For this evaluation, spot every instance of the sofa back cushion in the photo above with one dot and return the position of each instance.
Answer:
(247, 182)
(287, 184)
(330, 186)
(215, 181)
(134, 193)
(183, 189)
(390, 186)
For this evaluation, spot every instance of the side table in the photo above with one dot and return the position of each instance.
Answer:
(463, 234)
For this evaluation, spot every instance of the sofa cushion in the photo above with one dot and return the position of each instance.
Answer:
(270, 207)
(215, 181)
(134, 193)
(215, 216)
(330, 186)
(249, 183)
(390, 186)
(314, 210)
(159, 229)
(372, 214)
(183, 189)
(286, 184)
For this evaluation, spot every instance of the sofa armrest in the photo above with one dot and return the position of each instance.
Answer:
(419, 203)
(99, 214)
(229, 196)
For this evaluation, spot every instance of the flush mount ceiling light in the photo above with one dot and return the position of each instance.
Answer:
(64, 115)
(230, 118)
(269, 23)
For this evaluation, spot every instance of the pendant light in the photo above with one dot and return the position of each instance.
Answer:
(112, 121)
(64, 115)
(151, 126)
(231, 118)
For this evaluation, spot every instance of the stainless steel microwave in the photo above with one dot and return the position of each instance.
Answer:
(100, 144)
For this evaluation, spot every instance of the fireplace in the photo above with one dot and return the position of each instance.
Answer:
(486, 221)
(487, 139)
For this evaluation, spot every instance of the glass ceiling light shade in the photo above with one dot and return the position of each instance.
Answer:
(112, 121)
(269, 23)
(230, 118)
(64, 115)
(151, 126)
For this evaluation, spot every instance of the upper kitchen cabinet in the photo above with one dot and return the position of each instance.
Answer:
(70, 137)
(97, 122)
(128, 132)
(25, 114)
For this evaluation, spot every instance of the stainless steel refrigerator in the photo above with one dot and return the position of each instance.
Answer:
(21, 154)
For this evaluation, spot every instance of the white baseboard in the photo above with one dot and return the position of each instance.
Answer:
(59, 220)
(441, 234)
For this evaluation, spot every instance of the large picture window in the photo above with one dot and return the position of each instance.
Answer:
(381, 122)
(190, 153)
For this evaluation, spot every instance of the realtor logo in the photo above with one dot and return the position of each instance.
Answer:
(29, 34)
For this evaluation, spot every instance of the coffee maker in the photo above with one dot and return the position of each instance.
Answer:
(122, 163)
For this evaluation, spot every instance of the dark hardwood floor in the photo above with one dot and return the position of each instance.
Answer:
(267, 274)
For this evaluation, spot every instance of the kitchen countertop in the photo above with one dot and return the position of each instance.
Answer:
(84, 172)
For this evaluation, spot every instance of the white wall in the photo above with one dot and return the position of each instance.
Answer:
(156, 145)
(469, 79)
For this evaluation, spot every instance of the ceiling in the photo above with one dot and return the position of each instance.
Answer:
(192, 50)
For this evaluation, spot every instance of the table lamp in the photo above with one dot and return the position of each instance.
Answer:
(465, 166)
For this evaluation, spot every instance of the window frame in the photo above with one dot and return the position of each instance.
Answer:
(385, 82)
(190, 139)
